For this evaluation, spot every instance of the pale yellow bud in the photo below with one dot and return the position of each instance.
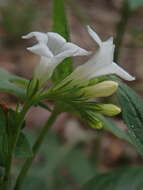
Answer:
(109, 109)
(102, 89)
(97, 125)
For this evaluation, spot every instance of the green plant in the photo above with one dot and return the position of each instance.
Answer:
(73, 92)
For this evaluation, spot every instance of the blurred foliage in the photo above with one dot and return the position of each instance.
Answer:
(134, 4)
(60, 165)
(17, 18)
(127, 9)
(129, 178)
(136, 36)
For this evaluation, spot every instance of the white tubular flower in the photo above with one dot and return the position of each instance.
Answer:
(53, 49)
(101, 63)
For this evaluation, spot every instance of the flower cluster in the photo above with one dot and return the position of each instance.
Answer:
(87, 81)
(52, 49)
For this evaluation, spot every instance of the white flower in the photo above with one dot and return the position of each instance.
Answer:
(53, 49)
(101, 63)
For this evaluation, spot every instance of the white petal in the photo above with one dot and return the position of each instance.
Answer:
(41, 49)
(44, 70)
(40, 37)
(55, 42)
(94, 35)
(72, 47)
(121, 72)
(112, 69)
(101, 63)
(60, 57)
(41, 67)
(103, 57)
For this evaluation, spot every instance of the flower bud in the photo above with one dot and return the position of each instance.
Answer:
(109, 109)
(97, 125)
(102, 89)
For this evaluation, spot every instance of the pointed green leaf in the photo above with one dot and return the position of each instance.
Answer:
(11, 88)
(12, 84)
(60, 26)
(132, 112)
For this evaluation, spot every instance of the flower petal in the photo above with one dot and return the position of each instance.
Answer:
(121, 72)
(41, 49)
(60, 57)
(104, 55)
(78, 51)
(55, 42)
(44, 70)
(94, 35)
(113, 69)
(102, 62)
(40, 37)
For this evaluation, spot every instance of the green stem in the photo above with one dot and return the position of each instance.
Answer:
(121, 28)
(36, 148)
(13, 145)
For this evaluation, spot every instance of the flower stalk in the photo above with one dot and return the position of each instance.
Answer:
(36, 148)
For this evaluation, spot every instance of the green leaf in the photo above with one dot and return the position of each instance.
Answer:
(132, 112)
(60, 26)
(6, 86)
(12, 84)
(23, 147)
(5, 75)
(134, 4)
(110, 126)
(8, 123)
(130, 178)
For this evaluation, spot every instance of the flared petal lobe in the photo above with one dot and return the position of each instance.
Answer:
(52, 49)
(40, 37)
(41, 50)
(101, 63)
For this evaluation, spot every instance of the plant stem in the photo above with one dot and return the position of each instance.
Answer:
(121, 28)
(36, 148)
(13, 145)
